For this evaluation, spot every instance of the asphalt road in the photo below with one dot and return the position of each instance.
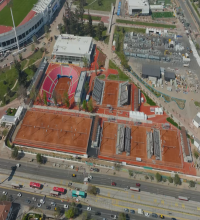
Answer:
(100, 179)
(104, 213)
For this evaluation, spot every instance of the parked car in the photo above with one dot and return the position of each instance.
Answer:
(5, 193)
(73, 175)
(66, 206)
(162, 216)
(132, 211)
(154, 215)
(34, 199)
(53, 204)
(173, 218)
(28, 201)
(147, 214)
(89, 208)
(97, 213)
(113, 184)
(39, 205)
(126, 210)
(138, 184)
(90, 177)
(113, 216)
(19, 194)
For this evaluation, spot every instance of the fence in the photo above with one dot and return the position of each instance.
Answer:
(154, 91)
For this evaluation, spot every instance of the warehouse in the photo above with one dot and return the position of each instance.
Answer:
(150, 71)
(72, 49)
(140, 7)
(169, 76)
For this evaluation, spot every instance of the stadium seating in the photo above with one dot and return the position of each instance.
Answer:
(47, 84)
(66, 70)
(53, 74)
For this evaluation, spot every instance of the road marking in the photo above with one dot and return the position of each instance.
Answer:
(176, 204)
(183, 206)
(132, 196)
(163, 202)
(155, 200)
(139, 197)
(198, 208)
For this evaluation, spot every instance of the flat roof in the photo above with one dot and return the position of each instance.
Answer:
(197, 119)
(8, 119)
(72, 45)
(151, 70)
(170, 75)
(138, 3)
(54, 131)
(80, 84)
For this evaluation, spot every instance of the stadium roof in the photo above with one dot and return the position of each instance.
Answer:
(42, 5)
(150, 70)
(98, 90)
(72, 45)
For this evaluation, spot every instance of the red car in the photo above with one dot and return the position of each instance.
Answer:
(113, 184)
(138, 184)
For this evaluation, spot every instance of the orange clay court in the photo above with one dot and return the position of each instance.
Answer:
(62, 86)
(170, 156)
(54, 132)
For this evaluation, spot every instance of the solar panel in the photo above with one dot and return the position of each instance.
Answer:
(98, 90)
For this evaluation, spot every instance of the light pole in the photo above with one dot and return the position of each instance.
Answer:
(9, 3)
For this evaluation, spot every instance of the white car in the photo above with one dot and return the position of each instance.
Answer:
(5, 193)
(18, 165)
(39, 205)
(147, 214)
(42, 201)
(34, 199)
(90, 177)
(66, 206)
(19, 194)
(53, 204)
(89, 208)
(77, 200)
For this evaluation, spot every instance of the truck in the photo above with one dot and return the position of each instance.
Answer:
(140, 211)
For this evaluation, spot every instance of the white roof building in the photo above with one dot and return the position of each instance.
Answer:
(196, 120)
(197, 144)
(9, 120)
(137, 115)
(138, 7)
(71, 49)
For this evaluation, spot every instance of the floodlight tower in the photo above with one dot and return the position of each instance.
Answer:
(9, 4)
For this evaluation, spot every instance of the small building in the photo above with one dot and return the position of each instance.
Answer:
(196, 120)
(158, 111)
(9, 120)
(185, 143)
(197, 144)
(137, 115)
(169, 76)
(72, 49)
(140, 7)
(150, 71)
(20, 112)
(6, 210)
(80, 87)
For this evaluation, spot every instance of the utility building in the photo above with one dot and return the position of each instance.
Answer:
(138, 7)
(72, 49)
(150, 71)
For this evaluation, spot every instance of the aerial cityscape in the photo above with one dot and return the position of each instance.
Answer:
(99, 109)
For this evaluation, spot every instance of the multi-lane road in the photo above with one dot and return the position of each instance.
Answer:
(103, 213)
(100, 179)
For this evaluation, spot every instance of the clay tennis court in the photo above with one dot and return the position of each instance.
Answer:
(110, 95)
(170, 147)
(62, 86)
(54, 132)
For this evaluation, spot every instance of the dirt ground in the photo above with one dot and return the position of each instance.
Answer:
(62, 87)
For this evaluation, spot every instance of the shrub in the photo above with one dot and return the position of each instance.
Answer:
(177, 180)
(158, 177)
(92, 189)
(170, 179)
(14, 153)
(192, 183)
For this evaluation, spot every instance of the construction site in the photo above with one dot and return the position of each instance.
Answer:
(54, 131)
(143, 145)
(158, 46)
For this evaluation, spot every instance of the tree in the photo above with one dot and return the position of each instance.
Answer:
(21, 92)
(33, 47)
(122, 216)
(130, 172)
(33, 94)
(117, 166)
(35, 39)
(39, 158)
(92, 189)
(90, 106)
(86, 216)
(158, 177)
(4, 100)
(85, 62)
(86, 86)
(33, 67)
(45, 98)
(79, 104)
(99, 2)
(55, 98)
(170, 179)
(4, 132)
(47, 35)
(192, 183)
(57, 210)
(66, 99)
(17, 66)
(96, 70)
(20, 57)
(196, 154)
(46, 28)
(99, 32)
(72, 212)
(84, 105)
(177, 179)
(89, 26)
(14, 153)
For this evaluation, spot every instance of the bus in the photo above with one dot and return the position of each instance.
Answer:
(53, 193)
(78, 193)
(183, 198)
(35, 185)
(58, 189)
(15, 186)
(135, 189)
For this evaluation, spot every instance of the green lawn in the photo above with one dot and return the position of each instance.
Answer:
(170, 120)
(145, 23)
(149, 100)
(33, 58)
(20, 9)
(121, 76)
(101, 76)
(197, 103)
(106, 5)
(95, 18)
(11, 111)
(166, 14)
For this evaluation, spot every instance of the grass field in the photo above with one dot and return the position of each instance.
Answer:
(106, 5)
(20, 9)
(121, 76)
(166, 14)
(145, 23)
(95, 18)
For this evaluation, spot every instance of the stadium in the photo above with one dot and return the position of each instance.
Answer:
(30, 16)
